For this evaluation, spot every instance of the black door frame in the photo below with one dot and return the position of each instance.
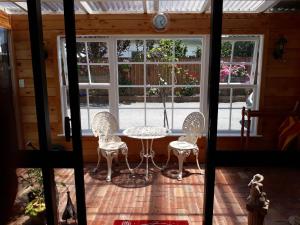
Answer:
(48, 160)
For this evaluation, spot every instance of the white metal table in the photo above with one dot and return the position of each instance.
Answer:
(147, 135)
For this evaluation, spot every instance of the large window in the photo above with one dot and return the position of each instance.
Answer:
(238, 80)
(93, 66)
(142, 81)
(158, 81)
(148, 81)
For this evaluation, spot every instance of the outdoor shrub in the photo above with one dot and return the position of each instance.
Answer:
(238, 73)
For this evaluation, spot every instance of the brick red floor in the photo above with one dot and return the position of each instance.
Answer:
(164, 198)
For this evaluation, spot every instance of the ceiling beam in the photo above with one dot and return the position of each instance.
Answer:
(267, 5)
(145, 6)
(205, 6)
(19, 6)
(85, 6)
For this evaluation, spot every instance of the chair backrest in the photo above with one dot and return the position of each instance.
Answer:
(194, 124)
(104, 124)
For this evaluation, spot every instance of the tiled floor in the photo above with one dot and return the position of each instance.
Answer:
(165, 198)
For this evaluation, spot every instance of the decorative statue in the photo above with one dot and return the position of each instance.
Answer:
(69, 212)
(257, 202)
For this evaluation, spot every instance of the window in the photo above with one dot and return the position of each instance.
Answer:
(93, 66)
(158, 81)
(153, 82)
(238, 80)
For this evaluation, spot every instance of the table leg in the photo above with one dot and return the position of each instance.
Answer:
(152, 154)
(147, 159)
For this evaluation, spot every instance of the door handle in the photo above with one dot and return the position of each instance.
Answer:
(67, 129)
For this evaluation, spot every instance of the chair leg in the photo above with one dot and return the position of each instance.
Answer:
(169, 154)
(181, 156)
(109, 158)
(197, 161)
(125, 153)
(99, 158)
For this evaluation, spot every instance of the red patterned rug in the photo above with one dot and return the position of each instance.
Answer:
(151, 222)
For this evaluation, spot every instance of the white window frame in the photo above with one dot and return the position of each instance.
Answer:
(201, 85)
(88, 85)
(256, 65)
(113, 86)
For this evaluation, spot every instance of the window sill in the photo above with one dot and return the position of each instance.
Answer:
(173, 134)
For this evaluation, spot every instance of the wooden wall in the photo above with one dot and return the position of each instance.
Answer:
(4, 20)
(280, 78)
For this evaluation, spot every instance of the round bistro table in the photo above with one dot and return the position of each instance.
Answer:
(146, 135)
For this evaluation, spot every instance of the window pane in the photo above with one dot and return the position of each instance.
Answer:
(180, 115)
(242, 97)
(188, 50)
(131, 97)
(157, 97)
(130, 50)
(83, 74)
(187, 97)
(159, 74)
(99, 74)
(243, 51)
(84, 118)
(157, 117)
(81, 53)
(240, 74)
(188, 74)
(226, 49)
(236, 117)
(97, 52)
(82, 98)
(94, 111)
(126, 118)
(160, 50)
(224, 98)
(131, 74)
(223, 119)
(98, 98)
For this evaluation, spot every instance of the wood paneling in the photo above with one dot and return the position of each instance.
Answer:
(4, 20)
(280, 78)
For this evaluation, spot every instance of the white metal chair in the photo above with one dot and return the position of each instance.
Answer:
(104, 126)
(193, 127)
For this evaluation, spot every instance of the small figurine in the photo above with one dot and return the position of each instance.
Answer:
(257, 202)
(69, 211)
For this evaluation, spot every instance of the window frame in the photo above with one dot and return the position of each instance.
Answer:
(146, 62)
(256, 67)
(113, 86)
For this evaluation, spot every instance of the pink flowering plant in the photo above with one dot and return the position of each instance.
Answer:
(239, 74)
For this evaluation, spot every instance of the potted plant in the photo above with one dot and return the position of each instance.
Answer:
(32, 181)
(35, 207)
